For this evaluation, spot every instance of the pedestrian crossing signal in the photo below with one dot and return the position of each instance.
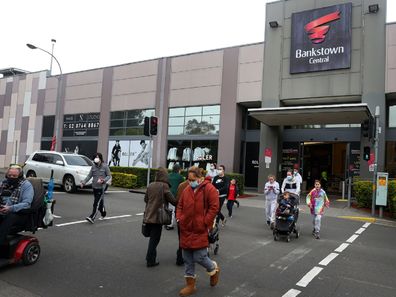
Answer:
(366, 153)
(153, 125)
(147, 126)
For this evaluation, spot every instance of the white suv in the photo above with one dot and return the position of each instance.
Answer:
(69, 169)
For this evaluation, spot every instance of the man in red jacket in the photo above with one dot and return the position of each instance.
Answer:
(196, 211)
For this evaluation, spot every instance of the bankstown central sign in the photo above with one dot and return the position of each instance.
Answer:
(321, 39)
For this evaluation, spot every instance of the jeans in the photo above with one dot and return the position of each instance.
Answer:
(155, 237)
(97, 195)
(8, 221)
(316, 220)
(197, 256)
(270, 207)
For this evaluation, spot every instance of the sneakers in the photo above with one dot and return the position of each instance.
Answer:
(268, 223)
(316, 235)
(223, 222)
(89, 219)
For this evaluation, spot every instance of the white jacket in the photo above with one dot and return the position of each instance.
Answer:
(271, 190)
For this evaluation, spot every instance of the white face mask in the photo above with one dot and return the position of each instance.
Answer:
(96, 160)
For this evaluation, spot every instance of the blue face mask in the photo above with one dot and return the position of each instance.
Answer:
(194, 184)
(289, 177)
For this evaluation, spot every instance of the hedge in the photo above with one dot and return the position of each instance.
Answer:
(141, 175)
(363, 191)
(124, 180)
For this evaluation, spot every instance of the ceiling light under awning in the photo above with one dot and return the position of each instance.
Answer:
(312, 115)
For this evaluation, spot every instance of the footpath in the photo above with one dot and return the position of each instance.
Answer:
(338, 209)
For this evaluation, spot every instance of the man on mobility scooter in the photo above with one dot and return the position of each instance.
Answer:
(22, 208)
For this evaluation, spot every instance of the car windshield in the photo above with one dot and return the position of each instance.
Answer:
(77, 160)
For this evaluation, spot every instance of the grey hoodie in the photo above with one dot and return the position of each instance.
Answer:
(102, 171)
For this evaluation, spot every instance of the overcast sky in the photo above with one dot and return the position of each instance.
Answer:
(97, 33)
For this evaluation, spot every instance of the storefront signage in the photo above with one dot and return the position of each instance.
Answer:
(83, 124)
(321, 39)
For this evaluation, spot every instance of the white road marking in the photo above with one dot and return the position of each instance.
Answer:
(291, 293)
(57, 217)
(309, 276)
(84, 221)
(328, 259)
(241, 291)
(366, 225)
(292, 257)
(255, 246)
(360, 230)
(352, 238)
(341, 247)
(140, 214)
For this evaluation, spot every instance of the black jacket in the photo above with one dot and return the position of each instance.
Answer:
(221, 184)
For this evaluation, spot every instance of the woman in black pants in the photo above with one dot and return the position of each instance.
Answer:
(221, 183)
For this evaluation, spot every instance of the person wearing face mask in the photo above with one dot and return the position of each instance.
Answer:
(290, 184)
(212, 172)
(297, 175)
(221, 183)
(271, 192)
(100, 174)
(16, 194)
(196, 211)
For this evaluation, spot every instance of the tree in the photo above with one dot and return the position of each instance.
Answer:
(195, 127)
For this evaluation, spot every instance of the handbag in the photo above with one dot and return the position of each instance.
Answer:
(145, 230)
(164, 213)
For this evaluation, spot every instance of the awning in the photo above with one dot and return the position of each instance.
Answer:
(312, 115)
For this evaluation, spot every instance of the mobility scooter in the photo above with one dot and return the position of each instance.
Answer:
(19, 246)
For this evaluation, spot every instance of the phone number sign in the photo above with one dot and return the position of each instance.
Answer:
(82, 124)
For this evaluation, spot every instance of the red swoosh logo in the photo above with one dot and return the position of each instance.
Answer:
(317, 32)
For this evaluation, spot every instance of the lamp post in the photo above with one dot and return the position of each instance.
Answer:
(56, 137)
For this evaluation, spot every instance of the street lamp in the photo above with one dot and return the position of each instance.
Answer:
(56, 138)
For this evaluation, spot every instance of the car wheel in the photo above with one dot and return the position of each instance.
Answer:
(31, 253)
(31, 173)
(68, 184)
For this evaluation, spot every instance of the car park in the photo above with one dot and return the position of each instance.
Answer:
(69, 169)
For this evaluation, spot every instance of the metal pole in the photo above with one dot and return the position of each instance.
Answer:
(349, 191)
(16, 150)
(149, 162)
(343, 190)
(377, 115)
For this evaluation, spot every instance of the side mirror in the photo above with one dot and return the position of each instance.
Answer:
(59, 162)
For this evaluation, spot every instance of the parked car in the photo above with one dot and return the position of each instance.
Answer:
(69, 169)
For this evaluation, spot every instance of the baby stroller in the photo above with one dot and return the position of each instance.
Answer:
(286, 216)
(213, 237)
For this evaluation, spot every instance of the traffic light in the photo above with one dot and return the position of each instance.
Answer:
(366, 153)
(153, 125)
(366, 128)
(147, 126)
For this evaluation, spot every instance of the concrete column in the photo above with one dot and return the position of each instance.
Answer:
(231, 119)
(105, 107)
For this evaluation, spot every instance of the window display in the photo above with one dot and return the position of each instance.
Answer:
(129, 153)
(187, 153)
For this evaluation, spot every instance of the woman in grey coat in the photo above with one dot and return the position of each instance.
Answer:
(100, 174)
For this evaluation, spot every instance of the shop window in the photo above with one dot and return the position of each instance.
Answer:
(48, 126)
(392, 116)
(128, 122)
(196, 120)
(187, 153)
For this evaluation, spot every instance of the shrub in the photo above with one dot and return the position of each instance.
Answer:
(363, 191)
(124, 180)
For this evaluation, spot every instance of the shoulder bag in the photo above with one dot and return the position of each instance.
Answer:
(164, 213)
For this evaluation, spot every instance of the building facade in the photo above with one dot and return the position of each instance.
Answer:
(203, 100)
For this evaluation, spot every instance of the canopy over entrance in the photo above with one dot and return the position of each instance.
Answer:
(312, 115)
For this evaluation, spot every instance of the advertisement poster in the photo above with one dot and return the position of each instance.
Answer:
(129, 153)
(86, 148)
(354, 159)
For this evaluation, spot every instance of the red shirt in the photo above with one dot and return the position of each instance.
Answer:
(231, 192)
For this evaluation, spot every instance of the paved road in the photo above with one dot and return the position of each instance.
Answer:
(107, 258)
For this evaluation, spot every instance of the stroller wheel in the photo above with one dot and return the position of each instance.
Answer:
(297, 233)
(288, 238)
(216, 249)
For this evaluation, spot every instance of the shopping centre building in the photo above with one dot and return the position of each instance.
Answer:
(300, 97)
